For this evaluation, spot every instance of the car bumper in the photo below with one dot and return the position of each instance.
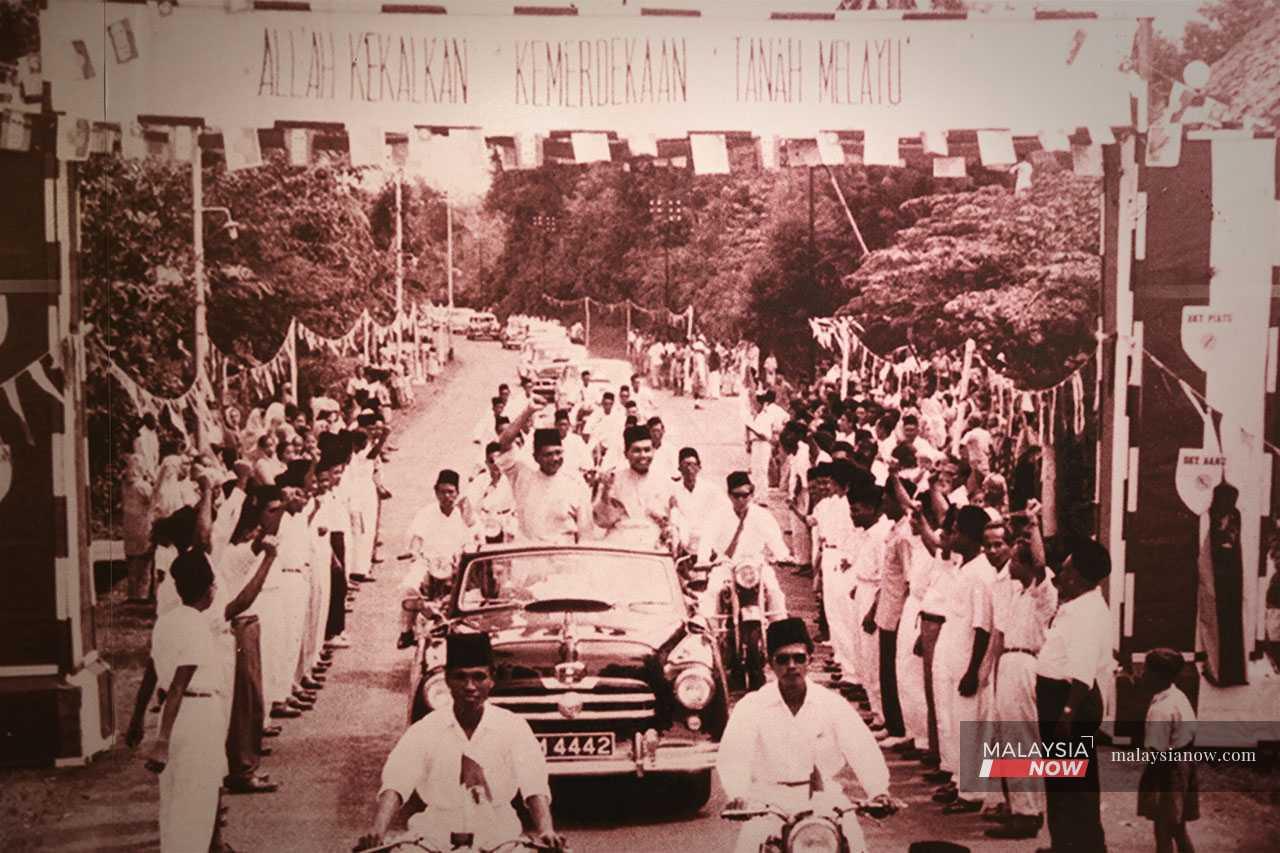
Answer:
(633, 759)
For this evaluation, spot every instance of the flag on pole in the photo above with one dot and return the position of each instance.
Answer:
(880, 149)
(995, 147)
(242, 147)
(368, 145)
(590, 147)
(710, 153)
(830, 151)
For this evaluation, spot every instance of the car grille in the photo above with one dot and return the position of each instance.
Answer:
(608, 700)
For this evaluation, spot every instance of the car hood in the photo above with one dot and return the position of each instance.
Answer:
(623, 642)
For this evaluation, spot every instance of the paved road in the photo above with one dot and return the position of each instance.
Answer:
(329, 760)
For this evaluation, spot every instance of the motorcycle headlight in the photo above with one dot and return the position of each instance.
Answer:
(437, 692)
(814, 835)
(694, 688)
(746, 575)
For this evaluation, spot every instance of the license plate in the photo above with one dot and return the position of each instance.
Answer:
(751, 613)
(569, 745)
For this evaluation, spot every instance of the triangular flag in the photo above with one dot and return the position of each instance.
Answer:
(1086, 160)
(242, 147)
(935, 142)
(590, 147)
(995, 147)
(1164, 145)
(1055, 140)
(182, 143)
(948, 167)
(643, 145)
(710, 153)
(880, 149)
(73, 137)
(505, 153)
(297, 142)
(133, 141)
(830, 151)
(368, 145)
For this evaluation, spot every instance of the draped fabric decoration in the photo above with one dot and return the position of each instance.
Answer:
(684, 318)
(46, 373)
(1058, 406)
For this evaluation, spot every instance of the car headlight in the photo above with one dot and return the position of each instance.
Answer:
(814, 835)
(746, 575)
(437, 693)
(694, 688)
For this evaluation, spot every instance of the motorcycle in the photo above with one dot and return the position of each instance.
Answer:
(437, 580)
(741, 617)
(817, 828)
(462, 842)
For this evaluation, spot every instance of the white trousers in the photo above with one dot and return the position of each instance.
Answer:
(910, 671)
(317, 611)
(277, 668)
(1017, 717)
(949, 664)
(761, 451)
(189, 784)
(842, 615)
(713, 381)
(867, 646)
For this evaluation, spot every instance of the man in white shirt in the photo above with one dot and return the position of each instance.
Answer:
(635, 504)
(577, 456)
(438, 535)
(787, 741)
(744, 533)
(1076, 650)
(486, 430)
(466, 762)
(643, 397)
(962, 663)
(489, 500)
(698, 499)
(665, 462)
(1024, 602)
(604, 426)
(552, 502)
(911, 436)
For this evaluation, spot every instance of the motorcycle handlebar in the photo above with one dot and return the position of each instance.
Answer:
(870, 808)
(510, 846)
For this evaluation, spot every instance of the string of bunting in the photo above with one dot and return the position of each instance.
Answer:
(46, 372)
(587, 303)
(1067, 398)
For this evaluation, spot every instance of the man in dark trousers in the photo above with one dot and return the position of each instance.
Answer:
(1076, 650)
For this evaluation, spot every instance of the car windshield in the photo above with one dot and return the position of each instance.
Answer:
(620, 580)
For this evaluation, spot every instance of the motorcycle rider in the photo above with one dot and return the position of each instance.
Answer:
(438, 533)
(746, 533)
(466, 763)
(785, 743)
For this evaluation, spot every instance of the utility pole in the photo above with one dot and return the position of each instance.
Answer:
(202, 316)
(665, 212)
(399, 249)
(448, 220)
(813, 273)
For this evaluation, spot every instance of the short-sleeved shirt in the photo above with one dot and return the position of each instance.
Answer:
(1171, 721)
(643, 496)
(428, 759)
(1078, 643)
(182, 637)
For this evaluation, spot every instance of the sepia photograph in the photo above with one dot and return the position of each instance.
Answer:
(769, 426)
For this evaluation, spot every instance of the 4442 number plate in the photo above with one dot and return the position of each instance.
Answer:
(572, 745)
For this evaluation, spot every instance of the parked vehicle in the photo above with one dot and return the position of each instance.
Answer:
(484, 327)
(460, 320)
(615, 679)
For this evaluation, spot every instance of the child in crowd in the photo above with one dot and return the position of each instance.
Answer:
(1168, 793)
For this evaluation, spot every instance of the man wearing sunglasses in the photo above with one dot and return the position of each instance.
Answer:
(785, 743)
(746, 533)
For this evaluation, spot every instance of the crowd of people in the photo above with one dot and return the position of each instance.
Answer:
(249, 552)
(930, 570)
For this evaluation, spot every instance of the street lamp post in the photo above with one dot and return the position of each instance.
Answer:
(198, 210)
(546, 224)
(665, 213)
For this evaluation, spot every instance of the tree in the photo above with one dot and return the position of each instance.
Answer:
(1019, 274)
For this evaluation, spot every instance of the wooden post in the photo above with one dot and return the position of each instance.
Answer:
(293, 361)
(586, 323)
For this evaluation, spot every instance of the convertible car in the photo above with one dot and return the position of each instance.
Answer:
(600, 650)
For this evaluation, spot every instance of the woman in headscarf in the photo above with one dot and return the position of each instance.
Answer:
(231, 427)
(136, 511)
(254, 426)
